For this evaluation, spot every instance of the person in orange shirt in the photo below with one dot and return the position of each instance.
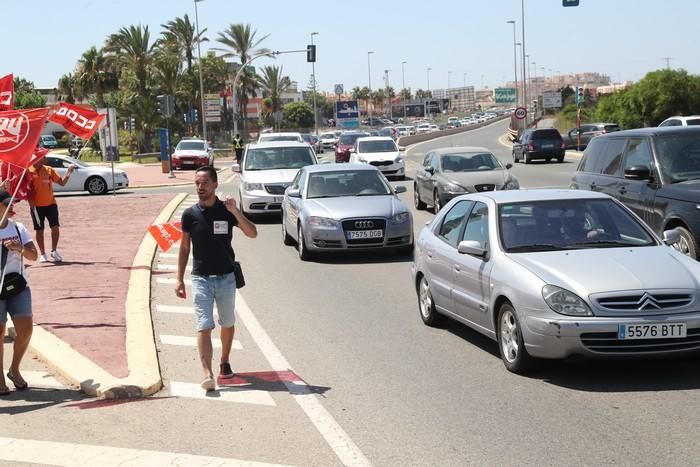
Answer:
(43, 206)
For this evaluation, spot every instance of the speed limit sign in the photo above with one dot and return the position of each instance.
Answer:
(520, 113)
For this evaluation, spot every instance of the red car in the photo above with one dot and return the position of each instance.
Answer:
(345, 144)
(192, 154)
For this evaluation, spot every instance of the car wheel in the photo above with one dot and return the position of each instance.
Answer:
(548, 160)
(686, 244)
(420, 205)
(286, 238)
(426, 306)
(96, 185)
(304, 254)
(510, 341)
(515, 159)
(437, 204)
(560, 159)
(526, 156)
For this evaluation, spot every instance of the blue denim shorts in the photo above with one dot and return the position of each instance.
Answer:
(206, 290)
(18, 306)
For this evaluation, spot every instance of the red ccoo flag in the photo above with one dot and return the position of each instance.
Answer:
(166, 235)
(80, 121)
(19, 133)
(7, 92)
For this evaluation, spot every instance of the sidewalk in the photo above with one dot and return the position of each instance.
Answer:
(92, 312)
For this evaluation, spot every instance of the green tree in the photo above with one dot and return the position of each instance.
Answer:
(133, 49)
(663, 93)
(405, 94)
(273, 84)
(298, 115)
(26, 96)
(180, 34)
(67, 88)
(95, 74)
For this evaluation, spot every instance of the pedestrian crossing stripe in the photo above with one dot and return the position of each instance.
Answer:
(191, 341)
(171, 281)
(168, 255)
(184, 310)
(170, 267)
(239, 395)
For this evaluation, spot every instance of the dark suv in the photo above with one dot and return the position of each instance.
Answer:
(588, 132)
(655, 172)
(539, 143)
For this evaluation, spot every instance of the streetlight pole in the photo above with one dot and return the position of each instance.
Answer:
(403, 76)
(428, 74)
(534, 79)
(235, 81)
(203, 114)
(369, 82)
(313, 83)
(522, 23)
(528, 77)
(447, 91)
(515, 61)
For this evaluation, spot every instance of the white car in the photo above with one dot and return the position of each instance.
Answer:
(689, 120)
(328, 139)
(287, 136)
(381, 152)
(95, 179)
(267, 170)
(192, 154)
(423, 128)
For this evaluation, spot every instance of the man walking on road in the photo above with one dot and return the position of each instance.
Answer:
(238, 147)
(43, 205)
(208, 227)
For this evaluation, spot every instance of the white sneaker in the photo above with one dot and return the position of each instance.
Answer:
(208, 384)
(42, 259)
(56, 256)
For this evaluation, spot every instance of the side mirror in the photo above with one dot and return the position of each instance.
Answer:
(671, 237)
(400, 189)
(509, 166)
(430, 170)
(236, 167)
(638, 172)
(471, 247)
(402, 148)
(293, 192)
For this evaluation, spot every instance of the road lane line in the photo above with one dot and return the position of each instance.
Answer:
(183, 310)
(171, 281)
(65, 454)
(170, 267)
(191, 341)
(237, 394)
(339, 441)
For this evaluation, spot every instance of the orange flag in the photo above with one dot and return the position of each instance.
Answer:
(166, 235)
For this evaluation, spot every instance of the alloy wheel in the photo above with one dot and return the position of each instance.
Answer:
(509, 336)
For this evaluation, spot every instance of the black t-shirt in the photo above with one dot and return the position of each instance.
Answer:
(211, 240)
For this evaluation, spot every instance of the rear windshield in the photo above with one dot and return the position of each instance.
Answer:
(350, 139)
(377, 146)
(695, 121)
(549, 133)
(610, 128)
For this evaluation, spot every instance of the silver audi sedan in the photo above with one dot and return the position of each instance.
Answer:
(557, 273)
(342, 207)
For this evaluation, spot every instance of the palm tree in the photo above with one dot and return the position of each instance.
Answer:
(95, 74)
(240, 41)
(67, 88)
(273, 84)
(405, 94)
(182, 36)
(132, 48)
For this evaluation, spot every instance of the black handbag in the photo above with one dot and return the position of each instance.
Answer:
(13, 283)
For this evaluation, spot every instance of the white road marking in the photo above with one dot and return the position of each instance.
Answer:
(239, 395)
(170, 267)
(191, 341)
(183, 310)
(40, 379)
(339, 441)
(54, 453)
(168, 255)
(171, 281)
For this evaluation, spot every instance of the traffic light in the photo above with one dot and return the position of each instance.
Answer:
(196, 115)
(579, 95)
(166, 105)
(132, 123)
(569, 2)
(310, 53)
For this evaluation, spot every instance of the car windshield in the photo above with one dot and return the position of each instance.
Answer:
(190, 146)
(50, 139)
(679, 156)
(569, 224)
(610, 128)
(327, 136)
(351, 138)
(347, 183)
(278, 158)
(307, 138)
(377, 146)
(267, 138)
(546, 134)
(468, 162)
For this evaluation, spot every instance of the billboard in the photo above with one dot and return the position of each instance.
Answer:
(109, 134)
(551, 100)
(433, 106)
(398, 111)
(347, 109)
(505, 95)
(415, 110)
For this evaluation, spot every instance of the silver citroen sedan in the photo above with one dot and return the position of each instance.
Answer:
(557, 273)
(343, 207)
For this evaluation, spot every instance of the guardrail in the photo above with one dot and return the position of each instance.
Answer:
(406, 140)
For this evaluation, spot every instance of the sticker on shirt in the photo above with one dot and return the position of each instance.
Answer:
(220, 227)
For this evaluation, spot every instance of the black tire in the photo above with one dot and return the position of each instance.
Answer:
(515, 158)
(548, 160)
(426, 306)
(526, 157)
(304, 254)
(560, 159)
(286, 238)
(437, 204)
(510, 341)
(96, 185)
(687, 244)
(417, 202)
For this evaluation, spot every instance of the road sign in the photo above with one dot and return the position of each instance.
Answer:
(520, 113)
(569, 2)
(551, 100)
(338, 89)
(505, 95)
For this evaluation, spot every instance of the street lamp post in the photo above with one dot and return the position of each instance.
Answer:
(313, 84)
(447, 91)
(235, 82)
(534, 79)
(515, 61)
(403, 76)
(369, 82)
(203, 114)
(522, 23)
(428, 74)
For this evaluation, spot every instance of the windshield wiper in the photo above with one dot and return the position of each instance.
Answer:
(372, 194)
(536, 247)
(611, 243)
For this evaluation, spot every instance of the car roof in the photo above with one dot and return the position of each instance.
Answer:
(339, 167)
(684, 117)
(528, 195)
(279, 144)
(441, 151)
(283, 133)
(374, 138)
(191, 140)
(652, 131)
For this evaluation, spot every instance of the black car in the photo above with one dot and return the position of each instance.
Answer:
(539, 143)
(653, 171)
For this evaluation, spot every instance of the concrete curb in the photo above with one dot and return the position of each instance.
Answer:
(503, 140)
(144, 370)
(164, 185)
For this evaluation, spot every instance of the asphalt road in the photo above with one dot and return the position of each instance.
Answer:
(404, 393)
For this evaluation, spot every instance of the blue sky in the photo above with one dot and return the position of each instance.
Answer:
(622, 38)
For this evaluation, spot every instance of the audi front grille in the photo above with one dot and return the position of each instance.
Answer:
(364, 224)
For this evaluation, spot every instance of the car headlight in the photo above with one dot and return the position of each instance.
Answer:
(453, 187)
(397, 160)
(512, 185)
(318, 221)
(400, 218)
(565, 302)
(362, 159)
(252, 186)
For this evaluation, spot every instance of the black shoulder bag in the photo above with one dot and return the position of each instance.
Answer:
(12, 283)
(237, 270)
